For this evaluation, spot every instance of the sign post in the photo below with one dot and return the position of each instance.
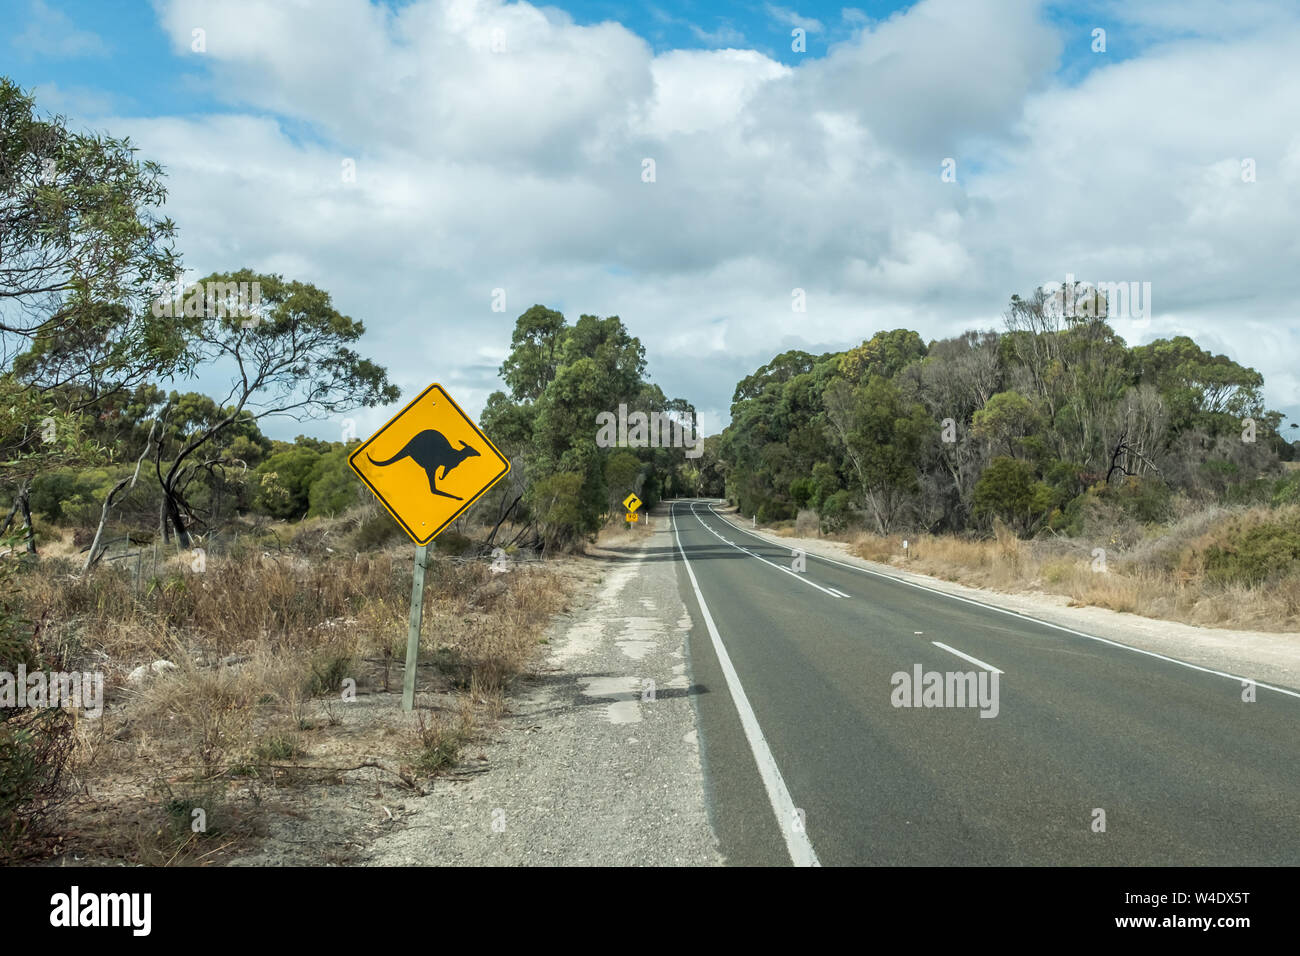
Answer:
(413, 629)
(433, 463)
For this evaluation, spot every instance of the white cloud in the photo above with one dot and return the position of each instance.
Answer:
(522, 170)
(724, 35)
(52, 33)
(793, 19)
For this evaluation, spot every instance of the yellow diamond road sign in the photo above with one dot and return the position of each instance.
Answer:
(631, 502)
(428, 464)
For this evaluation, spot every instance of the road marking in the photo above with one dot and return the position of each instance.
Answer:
(796, 841)
(967, 657)
(1026, 617)
(795, 574)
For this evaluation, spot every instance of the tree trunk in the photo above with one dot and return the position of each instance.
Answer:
(174, 512)
(24, 503)
(505, 514)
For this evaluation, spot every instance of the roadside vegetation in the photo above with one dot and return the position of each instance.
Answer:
(276, 668)
(245, 602)
(1049, 455)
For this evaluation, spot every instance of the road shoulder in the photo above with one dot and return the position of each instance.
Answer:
(598, 761)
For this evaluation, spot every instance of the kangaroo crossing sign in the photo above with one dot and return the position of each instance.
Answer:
(428, 464)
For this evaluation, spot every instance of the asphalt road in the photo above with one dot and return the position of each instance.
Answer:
(807, 760)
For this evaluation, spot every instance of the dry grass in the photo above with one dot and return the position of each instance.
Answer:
(268, 645)
(1161, 576)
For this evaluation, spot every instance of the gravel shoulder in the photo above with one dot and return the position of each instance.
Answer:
(1263, 656)
(598, 761)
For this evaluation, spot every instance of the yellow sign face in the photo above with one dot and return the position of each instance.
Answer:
(428, 464)
(631, 502)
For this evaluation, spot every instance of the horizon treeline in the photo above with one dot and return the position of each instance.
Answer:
(1025, 426)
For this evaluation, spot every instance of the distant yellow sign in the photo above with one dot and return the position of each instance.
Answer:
(428, 464)
(631, 502)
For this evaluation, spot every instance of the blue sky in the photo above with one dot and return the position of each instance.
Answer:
(116, 51)
(520, 169)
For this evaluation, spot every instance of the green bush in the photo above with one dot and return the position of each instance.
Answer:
(776, 510)
(801, 490)
(453, 543)
(835, 512)
(1286, 490)
(284, 482)
(1009, 490)
(73, 496)
(1145, 499)
(825, 482)
(335, 488)
(1262, 553)
(556, 501)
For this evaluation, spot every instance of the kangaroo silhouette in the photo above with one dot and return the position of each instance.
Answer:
(431, 451)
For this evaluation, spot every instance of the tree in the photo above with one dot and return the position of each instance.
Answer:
(292, 359)
(82, 245)
(1062, 393)
(885, 354)
(561, 377)
(622, 470)
(556, 501)
(1009, 490)
(881, 435)
(1199, 389)
(1005, 421)
(534, 353)
(81, 250)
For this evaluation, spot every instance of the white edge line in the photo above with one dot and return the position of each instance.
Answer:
(1036, 620)
(792, 573)
(797, 843)
(973, 660)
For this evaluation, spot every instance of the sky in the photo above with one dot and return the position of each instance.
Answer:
(893, 165)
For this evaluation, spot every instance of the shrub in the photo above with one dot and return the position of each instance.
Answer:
(328, 671)
(1260, 554)
(440, 741)
(335, 488)
(835, 512)
(1286, 490)
(375, 532)
(556, 501)
(284, 482)
(774, 510)
(1008, 490)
